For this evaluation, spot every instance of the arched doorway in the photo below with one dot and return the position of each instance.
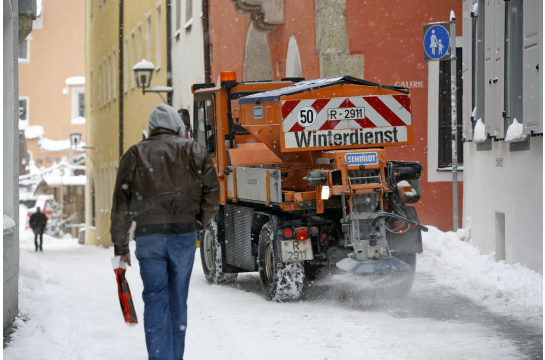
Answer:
(257, 59)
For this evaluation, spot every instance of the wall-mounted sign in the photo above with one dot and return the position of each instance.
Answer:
(436, 41)
(499, 162)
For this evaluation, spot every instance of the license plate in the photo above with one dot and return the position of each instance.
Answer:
(346, 114)
(295, 250)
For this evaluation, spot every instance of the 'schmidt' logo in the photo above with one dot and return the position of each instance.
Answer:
(258, 112)
(369, 158)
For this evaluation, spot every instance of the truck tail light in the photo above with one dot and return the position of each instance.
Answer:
(301, 233)
(288, 233)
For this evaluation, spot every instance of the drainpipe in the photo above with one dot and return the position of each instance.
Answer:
(169, 50)
(206, 35)
(121, 69)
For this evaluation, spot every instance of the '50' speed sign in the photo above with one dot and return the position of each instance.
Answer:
(307, 116)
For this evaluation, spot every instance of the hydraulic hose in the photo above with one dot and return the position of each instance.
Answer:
(397, 217)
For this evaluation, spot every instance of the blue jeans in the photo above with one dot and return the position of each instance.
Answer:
(166, 262)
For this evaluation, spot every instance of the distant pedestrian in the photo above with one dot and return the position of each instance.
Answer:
(169, 186)
(38, 222)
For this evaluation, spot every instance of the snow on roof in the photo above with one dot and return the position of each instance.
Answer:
(80, 120)
(59, 145)
(34, 132)
(8, 223)
(54, 180)
(309, 85)
(75, 80)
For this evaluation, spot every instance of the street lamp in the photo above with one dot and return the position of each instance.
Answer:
(75, 138)
(143, 72)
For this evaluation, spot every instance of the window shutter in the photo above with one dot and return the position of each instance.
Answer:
(498, 79)
(467, 69)
(489, 66)
(532, 66)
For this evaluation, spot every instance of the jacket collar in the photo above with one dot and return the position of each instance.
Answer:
(162, 131)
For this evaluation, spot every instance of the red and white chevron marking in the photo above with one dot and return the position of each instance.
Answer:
(380, 111)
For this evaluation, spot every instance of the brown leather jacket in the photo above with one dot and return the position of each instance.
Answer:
(165, 179)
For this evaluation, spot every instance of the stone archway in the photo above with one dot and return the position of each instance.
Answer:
(257, 58)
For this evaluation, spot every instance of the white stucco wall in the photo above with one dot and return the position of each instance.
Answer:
(187, 57)
(515, 189)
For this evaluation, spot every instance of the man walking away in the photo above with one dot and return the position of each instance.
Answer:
(38, 221)
(168, 185)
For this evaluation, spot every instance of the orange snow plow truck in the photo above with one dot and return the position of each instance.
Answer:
(305, 182)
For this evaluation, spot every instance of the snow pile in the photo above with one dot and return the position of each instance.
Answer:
(515, 132)
(479, 133)
(512, 289)
(34, 132)
(8, 222)
(59, 145)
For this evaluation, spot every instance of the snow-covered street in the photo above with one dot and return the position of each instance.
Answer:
(462, 306)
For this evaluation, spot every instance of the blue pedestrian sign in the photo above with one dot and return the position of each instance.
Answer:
(436, 41)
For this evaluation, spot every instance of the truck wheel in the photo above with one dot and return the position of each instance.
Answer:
(278, 284)
(409, 280)
(211, 256)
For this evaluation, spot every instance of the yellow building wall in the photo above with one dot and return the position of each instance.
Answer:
(144, 37)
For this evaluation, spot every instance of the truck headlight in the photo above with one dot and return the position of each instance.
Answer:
(325, 192)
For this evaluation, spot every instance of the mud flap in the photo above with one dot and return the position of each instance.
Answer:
(366, 267)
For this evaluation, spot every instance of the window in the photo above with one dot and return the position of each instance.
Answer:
(148, 36)
(91, 82)
(445, 139)
(204, 124)
(104, 82)
(78, 106)
(139, 42)
(178, 15)
(109, 79)
(93, 199)
(158, 38)
(293, 60)
(81, 105)
(126, 71)
(39, 22)
(24, 51)
(188, 14)
(114, 75)
(23, 108)
(99, 86)
(133, 45)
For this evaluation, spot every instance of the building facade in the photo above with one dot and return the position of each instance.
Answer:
(188, 64)
(118, 34)
(379, 41)
(18, 17)
(503, 128)
(53, 54)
